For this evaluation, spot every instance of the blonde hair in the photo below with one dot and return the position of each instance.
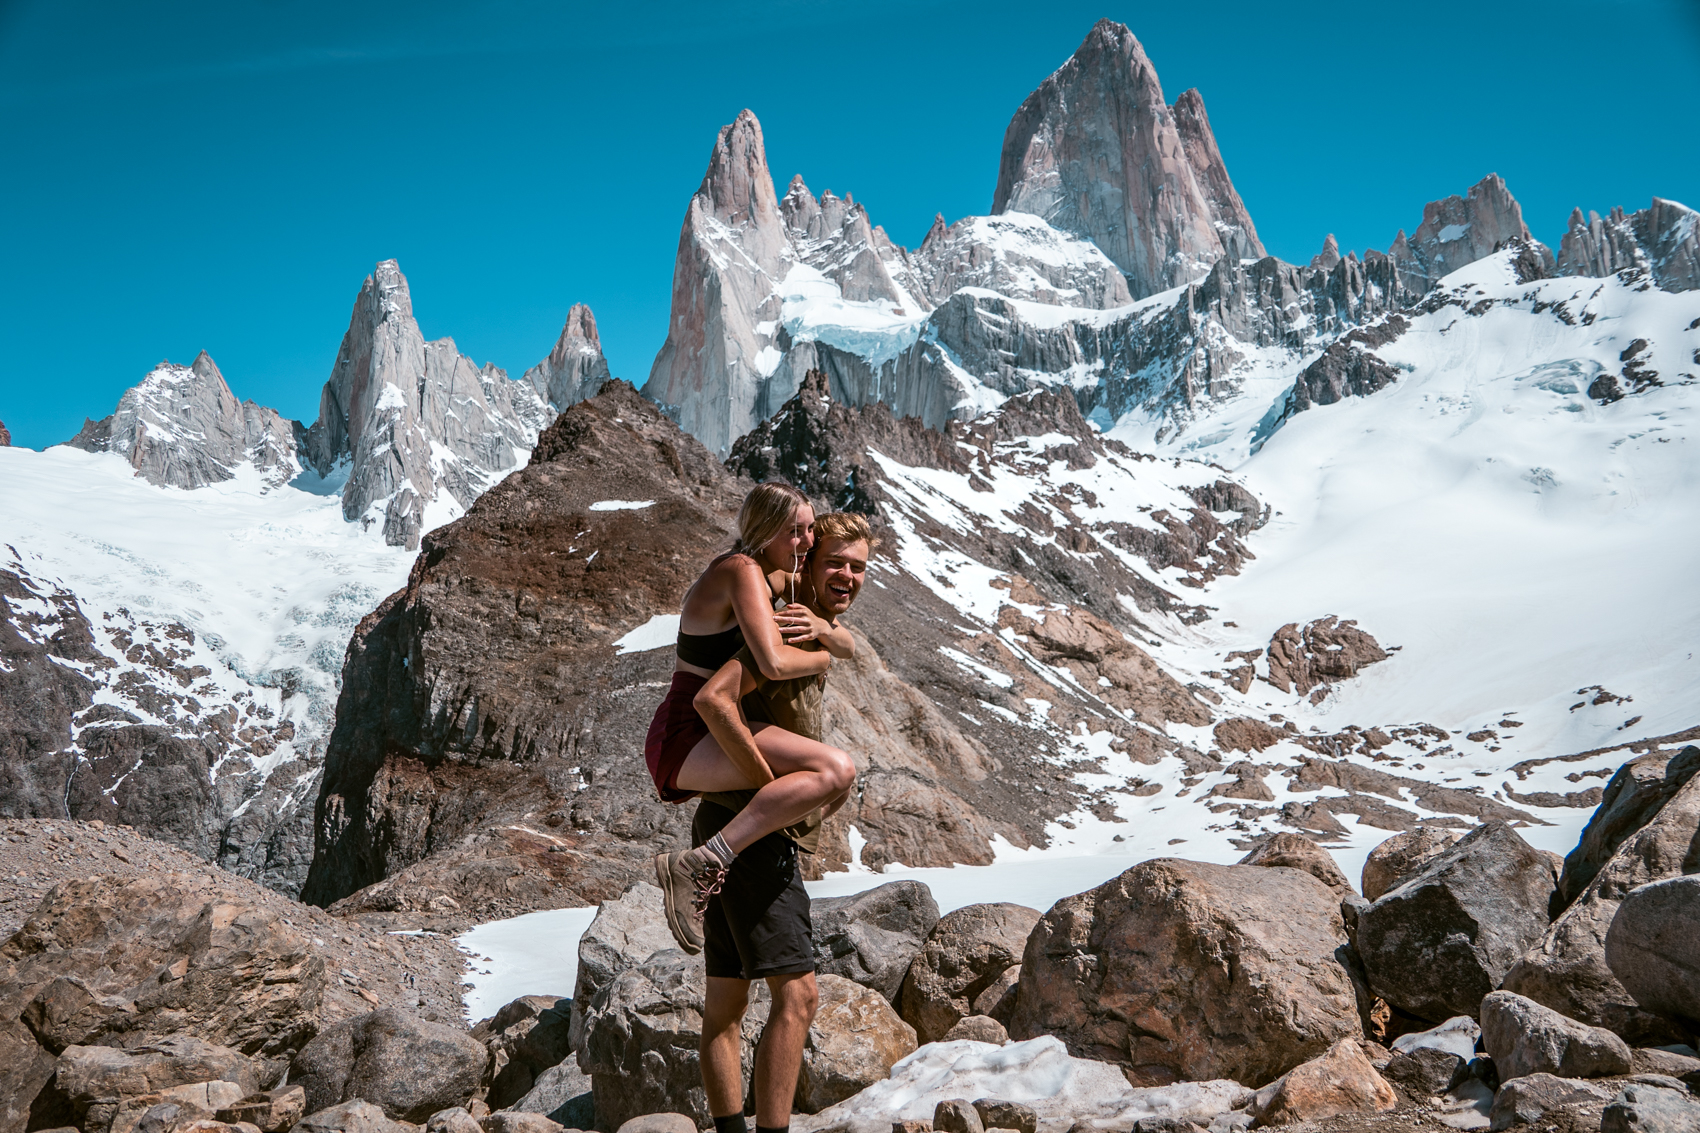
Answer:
(846, 527)
(766, 513)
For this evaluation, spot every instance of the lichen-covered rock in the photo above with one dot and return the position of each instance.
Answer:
(1445, 938)
(1181, 970)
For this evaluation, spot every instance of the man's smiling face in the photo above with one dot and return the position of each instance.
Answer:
(837, 569)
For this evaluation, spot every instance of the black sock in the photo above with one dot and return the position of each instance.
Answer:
(786, 1128)
(732, 1123)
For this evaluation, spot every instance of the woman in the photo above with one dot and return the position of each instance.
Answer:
(728, 608)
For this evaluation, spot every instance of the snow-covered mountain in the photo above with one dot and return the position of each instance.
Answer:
(176, 598)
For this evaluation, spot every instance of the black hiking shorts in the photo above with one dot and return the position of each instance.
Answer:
(758, 924)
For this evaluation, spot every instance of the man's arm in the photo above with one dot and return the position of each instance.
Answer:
(752, 602)
(717, 703)
(797, 624)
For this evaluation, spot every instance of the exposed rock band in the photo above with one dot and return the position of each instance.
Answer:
(740, 728)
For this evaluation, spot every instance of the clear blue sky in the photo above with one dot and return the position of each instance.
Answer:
(189, 175)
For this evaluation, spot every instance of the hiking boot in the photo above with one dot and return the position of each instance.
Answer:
(687, 882)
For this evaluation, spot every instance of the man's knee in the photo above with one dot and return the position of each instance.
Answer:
(725, 1003)
(796, 998)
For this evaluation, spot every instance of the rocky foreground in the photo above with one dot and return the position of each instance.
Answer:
(1473, 983)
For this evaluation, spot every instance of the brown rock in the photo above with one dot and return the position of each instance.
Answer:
(1653, 946)
(1241, 733)
(1424, 1072)
(1324, 651)
(998, 1000)
(355, 1116)
(270, 1110)
(998, 1114)
(957, 1116)
(409, 1066)
(1402, 857)
(1525, 1038)
(979, 1028)
(90, 1073)
(1635, 794)
(1532, 1097)
(453, 1120)
(508, 1121)
(658, 1123)
(1295, 851)
(967, 951)
(1185, 971)
(1340, 1081)
(854, 1041)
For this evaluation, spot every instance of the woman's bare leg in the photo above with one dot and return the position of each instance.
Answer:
(808, 774)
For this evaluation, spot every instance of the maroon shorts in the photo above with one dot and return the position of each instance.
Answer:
(676, 729)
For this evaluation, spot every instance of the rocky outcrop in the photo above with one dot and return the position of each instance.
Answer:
(406, 420)
(407, 1066)
(526, 1038)
(1096, 151)
(1458, 231)
(1653, 946)
(1402, 857)
(1440, 942)
(5, 436)
(575, 368)
(1662, 240)
(123, 961)
(871, 937)
(1635, 794)
(1567, 969)
(623, 934)
(1525, 1038)
(183, 428)
(1179, 970)
(966, 952)
(1020, 257)
(1310, 659)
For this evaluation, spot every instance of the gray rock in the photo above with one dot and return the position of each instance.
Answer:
(562, 1094)
(1653, 946)
(623, 934)
(956, 1116)
(1642, 1108)
(575, 368)
(1403, 856)
(1020, 256)
(512, 1121)
(1532, 1097)
(1458, 231)
(853, 1042)
(356, 1116)
(1567, 970)
(525, 1038)
(183, 428)
(1425, 1072)
(1095, 146)
(1662, 240)
(1525, 1038)
(1457, 1036)
(392, 396)
(91, 1073)
(997, 1114)
(967, 950)
(1679, 1061)
(1440, 942)
(658, 1123)
(871, 937)
(410, 1067)
(1635, 794)
(979, 1028)
(452, 1120)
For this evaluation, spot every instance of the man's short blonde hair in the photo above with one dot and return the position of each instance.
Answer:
(847, 527)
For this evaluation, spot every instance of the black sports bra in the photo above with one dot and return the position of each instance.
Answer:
(710, 650)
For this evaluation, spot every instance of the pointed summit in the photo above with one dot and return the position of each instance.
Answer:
(1329, 256)
(1663, 240)
(575, 369)
(1097, 152)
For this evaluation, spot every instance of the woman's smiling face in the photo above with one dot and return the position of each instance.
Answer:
(788, 549)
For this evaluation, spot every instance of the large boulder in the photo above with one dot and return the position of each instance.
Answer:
(1532, 1097)
(871, 937)
(1437, 944)
(1525, 1038)
(1403, 856)
(641, 1033)
(407, 1065)
(1642, 1107)
(1338, 1081)
(1567, 970)
(1295, 851)
(525, 1038)
(1637, 792)
(91, 1073)
(854, 1041)
(1182, 970)
(623, 934)
(355, 1116)
(1653, 946)
(966, 952)
(562, 1094)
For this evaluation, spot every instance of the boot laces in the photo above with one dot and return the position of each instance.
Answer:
(708, 880)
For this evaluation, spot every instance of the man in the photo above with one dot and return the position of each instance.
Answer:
(757, 926)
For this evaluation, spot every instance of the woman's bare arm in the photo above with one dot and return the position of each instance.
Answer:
(753, 604)
(717, 703)
(798, 623)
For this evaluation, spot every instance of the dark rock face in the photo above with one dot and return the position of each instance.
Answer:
(1096, 152)
(1439, 943)
(871, 937)
(525, 1038)
(408, 1066)
(1182, 971)
(5, 436)
(1633, 796)
(1653, 945)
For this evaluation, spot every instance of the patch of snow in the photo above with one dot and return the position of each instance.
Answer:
(659, 632)
(533, 954)
(621, 505)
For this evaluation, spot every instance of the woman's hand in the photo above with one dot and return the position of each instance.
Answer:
(798, 623)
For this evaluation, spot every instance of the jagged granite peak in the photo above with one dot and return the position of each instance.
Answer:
(181, 427)
(575, 368)
(5, 436)
(834, 236)
(1020, 256)
(1458, 231)
(712, 372)
(1097, 152)
(1662, 240)
(1329, 256)
(407, 419)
